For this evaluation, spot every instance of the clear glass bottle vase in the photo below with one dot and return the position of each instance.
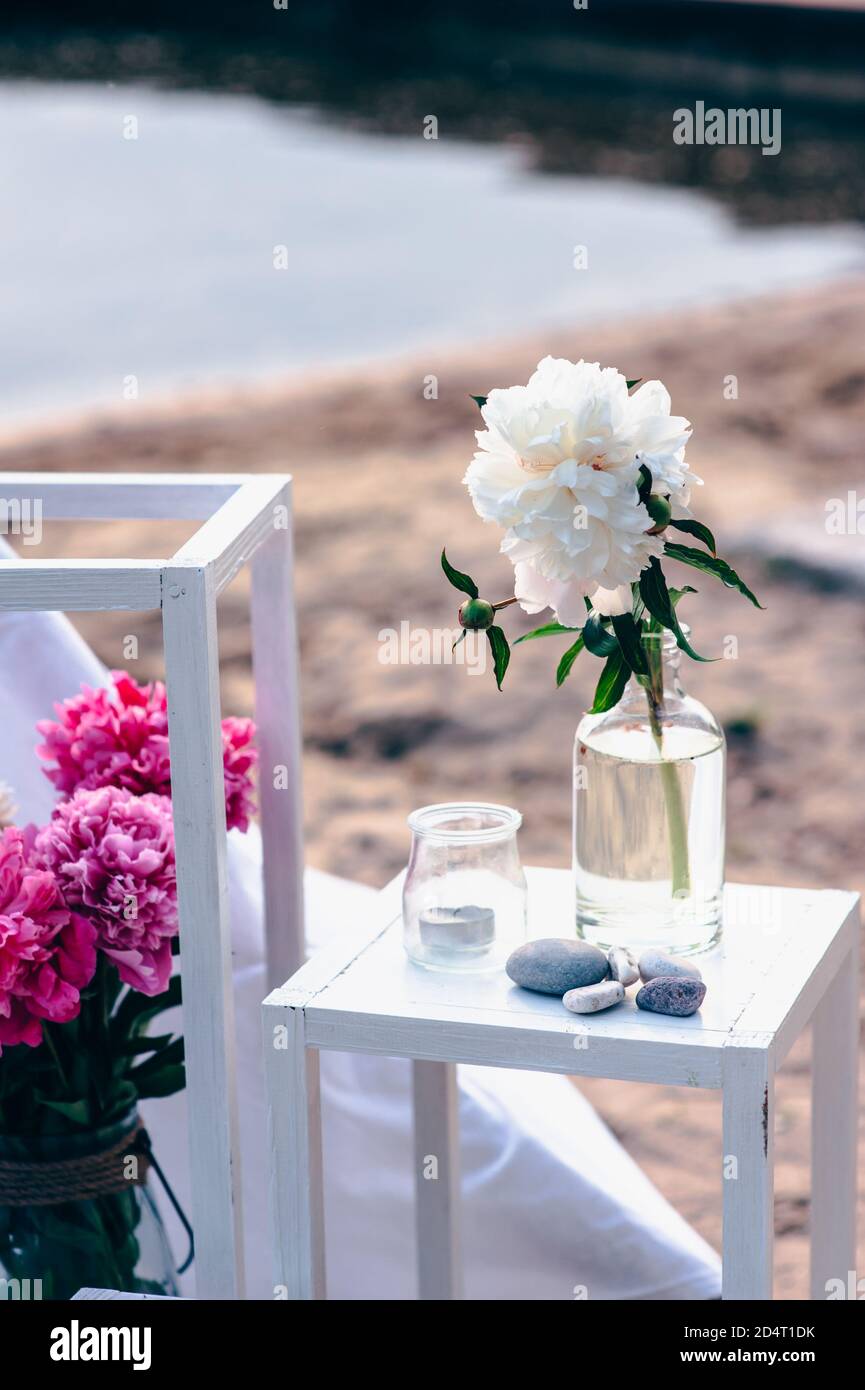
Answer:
(648, 825)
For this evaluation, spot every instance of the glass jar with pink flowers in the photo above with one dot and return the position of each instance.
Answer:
(88, 938)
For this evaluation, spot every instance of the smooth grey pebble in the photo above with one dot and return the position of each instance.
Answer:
(554, 965)
(591, 999)
(654, 963)
(674, 995)
(623, 967)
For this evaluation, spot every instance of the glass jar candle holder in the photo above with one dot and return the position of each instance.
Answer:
(464, 899)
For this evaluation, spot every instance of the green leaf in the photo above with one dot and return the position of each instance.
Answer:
(611, 685)
(136, 1047)
(710, 564)
(501, 652)
(628, 634)
(136, 1010)
(167, 1056)
(111, 986)
(548, 630)
(598, 641)
(78, 1111)
(161, 1083)
(563, 669)
(635, 381)
(480, 401)
(676, 594)
(460, 581)
(123, 1096)
(696, 528)
(656, 596)
(644, 486)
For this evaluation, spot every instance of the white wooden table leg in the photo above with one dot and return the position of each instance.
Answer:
(198, 805)
(437, 1180)
(294, 1135)
(748, 1181)
(277, 713)
(834, 1117)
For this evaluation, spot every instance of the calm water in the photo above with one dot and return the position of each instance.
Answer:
(153, 257)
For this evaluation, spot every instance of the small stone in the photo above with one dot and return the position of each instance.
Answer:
(553, 965)
(655, 963)
(590, 999)
(669, 994)
(623, 967)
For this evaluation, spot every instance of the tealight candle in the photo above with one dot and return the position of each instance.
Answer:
(464, 897)
(466, 928)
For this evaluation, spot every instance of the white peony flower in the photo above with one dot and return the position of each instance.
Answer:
(662, 440)
(558, 467)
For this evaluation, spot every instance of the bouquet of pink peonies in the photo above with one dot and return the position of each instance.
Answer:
(88, 930)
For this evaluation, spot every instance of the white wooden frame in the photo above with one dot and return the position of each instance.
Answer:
(245, 519)
(362, 996)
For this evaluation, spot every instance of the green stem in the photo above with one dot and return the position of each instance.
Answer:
(50, 1044)
(677, 825)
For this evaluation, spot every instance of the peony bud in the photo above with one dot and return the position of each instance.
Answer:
(660, 511)
(476, 614)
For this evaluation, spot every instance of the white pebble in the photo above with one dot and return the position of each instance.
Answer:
(655, 963)
(623, 967)
(592, 998)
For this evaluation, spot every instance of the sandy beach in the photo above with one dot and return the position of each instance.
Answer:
(378, 470)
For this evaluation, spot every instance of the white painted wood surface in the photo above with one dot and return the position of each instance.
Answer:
(382, 1002)
(801, 971)
(781, 951)
(437, 1180)
(294, 1137)
(185, 588)
(115, 1296)
(78, 586)
(122, 496)
(834, 1129)
(277, 715)
(198, 807)
(231, 536)
(748, 1174)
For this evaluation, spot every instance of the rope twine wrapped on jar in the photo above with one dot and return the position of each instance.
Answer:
(29, 1182)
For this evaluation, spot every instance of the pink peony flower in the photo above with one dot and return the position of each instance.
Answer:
(113, 854)
(238, 760)
(47, 953)
(119, 737)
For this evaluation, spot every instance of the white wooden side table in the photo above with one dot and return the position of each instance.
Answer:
(787, 956)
